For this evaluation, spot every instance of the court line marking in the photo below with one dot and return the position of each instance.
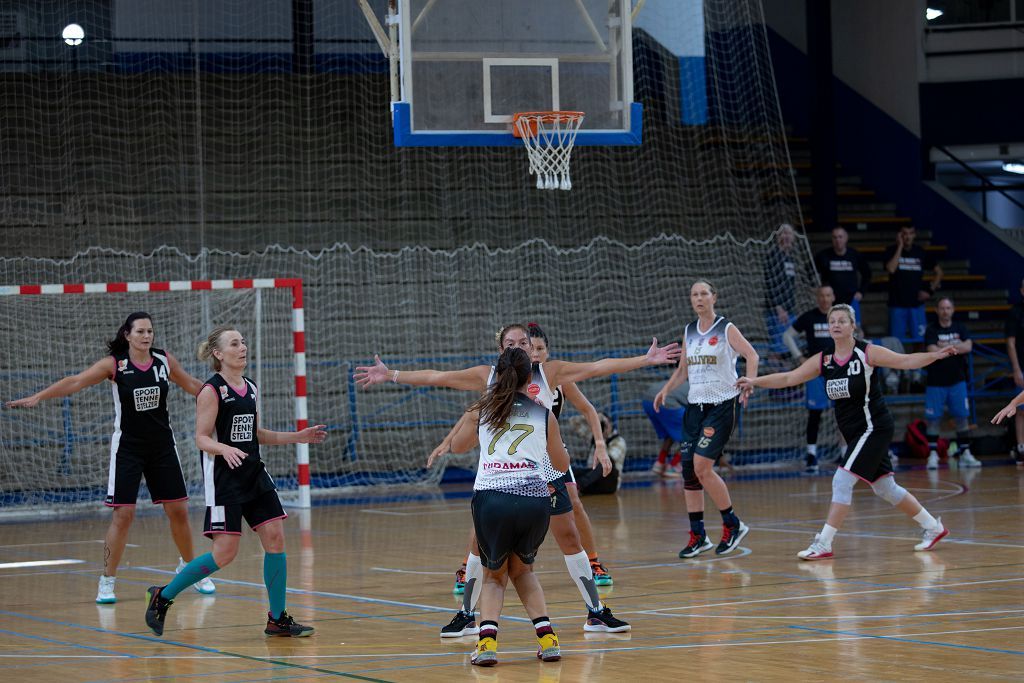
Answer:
(461, 511)
(38, 563)
(912, 638)
(33, 545)
(854, 617)
(846, 636)
(64, 643)
(863, 534)
(664, 610)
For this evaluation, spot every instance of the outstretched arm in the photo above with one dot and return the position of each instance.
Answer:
(587, 410)
(181, 377)
(470, 379)
(807, 371)
(94, 374)
(468, 434)
(679, 375)
(1009, 410)
(879, 356)
(563, 372)
(445, 447)
(743, 347)
(314, 434)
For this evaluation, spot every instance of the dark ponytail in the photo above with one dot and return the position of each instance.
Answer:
(511, 372)
(536, 332)
(119, 344)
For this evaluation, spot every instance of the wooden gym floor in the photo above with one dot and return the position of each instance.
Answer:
(375, 579)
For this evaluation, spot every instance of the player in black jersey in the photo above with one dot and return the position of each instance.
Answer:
(864, 421)
(237, 483)
(142, 443)
(813, 324)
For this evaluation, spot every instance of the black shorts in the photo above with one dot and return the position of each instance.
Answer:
(506, 523)
(560, 502)
(867, 457)
(161, 467)
(707, 428)
(227, 519)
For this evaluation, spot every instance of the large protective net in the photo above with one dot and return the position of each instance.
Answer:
(217, 130)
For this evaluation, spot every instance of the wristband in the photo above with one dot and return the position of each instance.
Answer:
(394, 377)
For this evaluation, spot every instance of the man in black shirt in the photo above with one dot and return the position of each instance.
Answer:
(947, 384)
(907, 290)
(845, 270)
(1015, 350)
(813, 324)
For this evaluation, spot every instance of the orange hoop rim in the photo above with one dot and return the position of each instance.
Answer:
(537, 117)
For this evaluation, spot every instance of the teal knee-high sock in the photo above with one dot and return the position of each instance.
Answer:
(194, 571)
(275, 576)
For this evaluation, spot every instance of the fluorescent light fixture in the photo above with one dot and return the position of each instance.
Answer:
(932, 13)
(1013, 167)
(73, 34)
(38, 563)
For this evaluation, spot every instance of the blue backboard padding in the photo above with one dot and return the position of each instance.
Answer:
(693, 91)
(404, 137)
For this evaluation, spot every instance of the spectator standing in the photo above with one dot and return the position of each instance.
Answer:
(946, 385)
(1015, 350)
(845, 270)
(780, 270)
(908, 291)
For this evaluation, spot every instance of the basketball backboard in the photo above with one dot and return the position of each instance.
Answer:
(467, 66)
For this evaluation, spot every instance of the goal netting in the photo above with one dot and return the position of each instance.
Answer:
(199, 140)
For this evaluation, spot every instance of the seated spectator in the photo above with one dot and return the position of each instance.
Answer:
(908, 291)
(668, 425)
(592, 480)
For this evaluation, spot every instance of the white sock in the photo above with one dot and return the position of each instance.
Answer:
(925, 519)
(583, 576)
(474, 582)
(827, 534)
(812, 448)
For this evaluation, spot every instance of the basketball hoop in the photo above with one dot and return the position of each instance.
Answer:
(549, 138)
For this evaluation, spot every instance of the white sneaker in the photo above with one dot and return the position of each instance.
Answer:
(204, 585)
(818, 550)
(967, 459)
(657, 468)
(933, 461)
(105, 593)
(932, 536)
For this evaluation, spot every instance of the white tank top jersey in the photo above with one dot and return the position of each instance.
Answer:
(540, 392)
(711, 362)
(512, 455)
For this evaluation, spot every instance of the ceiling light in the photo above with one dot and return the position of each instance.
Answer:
(1013, 167)
(932, 13)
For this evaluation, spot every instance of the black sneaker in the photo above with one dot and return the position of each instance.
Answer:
(605, 622)
(698, 544)
(731, 537)
(462, 624)
(156, 609)
(286, 627)
(810, 464)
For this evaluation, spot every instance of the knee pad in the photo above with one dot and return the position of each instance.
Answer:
(690, 480)
(888, 490)
(842, 487)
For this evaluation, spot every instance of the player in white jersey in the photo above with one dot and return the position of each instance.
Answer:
(554, 373)
(519, 447)
(864, 421)
(713, 344)
(142, 443)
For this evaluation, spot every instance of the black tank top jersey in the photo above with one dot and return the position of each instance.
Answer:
(857, 392)
(236, 425)
(140, 402)
(559, 399)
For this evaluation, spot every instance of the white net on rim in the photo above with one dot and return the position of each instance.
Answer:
(549, 137)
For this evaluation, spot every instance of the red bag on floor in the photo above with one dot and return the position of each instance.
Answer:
(916, 441)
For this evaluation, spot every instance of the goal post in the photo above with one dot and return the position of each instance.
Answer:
(31, 491)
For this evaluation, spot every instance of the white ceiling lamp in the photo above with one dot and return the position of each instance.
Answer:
(932, 13)
(73, 34)
(1013, 167)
